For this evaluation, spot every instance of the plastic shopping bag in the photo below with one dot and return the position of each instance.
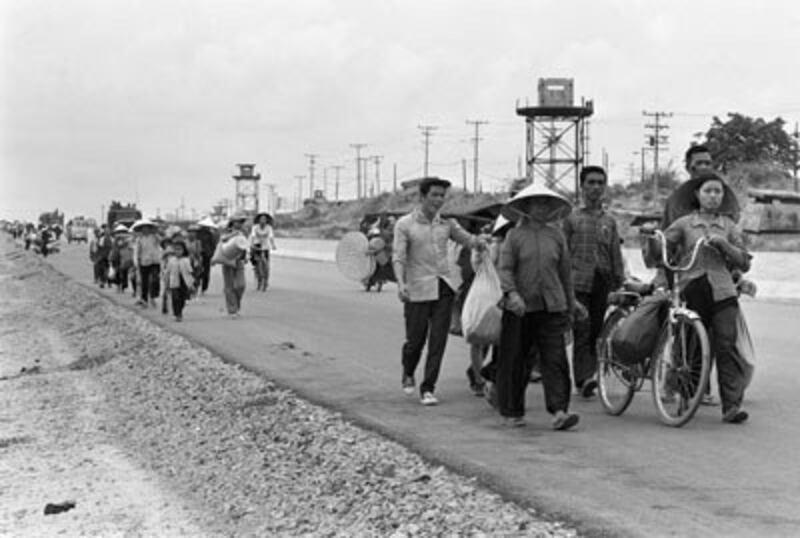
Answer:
(112, 273)
(481, 316)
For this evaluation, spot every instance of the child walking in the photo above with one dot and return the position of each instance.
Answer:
(179, 277)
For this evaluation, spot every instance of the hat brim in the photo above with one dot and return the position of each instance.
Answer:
(517, 207)
(137, 226)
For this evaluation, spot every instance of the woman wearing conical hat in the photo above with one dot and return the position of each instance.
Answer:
(709, 287)
(539, 303)
(233, 270)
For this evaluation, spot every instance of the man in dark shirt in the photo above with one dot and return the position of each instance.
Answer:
(597, 269)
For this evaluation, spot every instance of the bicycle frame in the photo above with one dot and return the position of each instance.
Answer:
(664, 374)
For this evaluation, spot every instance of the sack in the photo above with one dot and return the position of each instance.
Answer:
(637, 335)
(481, 317)
(234, 247)
(220, 258)
(745, 352)
(112, 273)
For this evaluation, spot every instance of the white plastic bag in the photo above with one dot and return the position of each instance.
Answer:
(481, 316)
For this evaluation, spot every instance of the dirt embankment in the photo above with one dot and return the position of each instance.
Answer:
(148, 434)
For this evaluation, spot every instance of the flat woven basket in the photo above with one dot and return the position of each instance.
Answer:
(352, 258)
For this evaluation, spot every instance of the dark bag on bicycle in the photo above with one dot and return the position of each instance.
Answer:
(636, 336)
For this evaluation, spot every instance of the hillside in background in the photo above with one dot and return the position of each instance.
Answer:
(330, 220)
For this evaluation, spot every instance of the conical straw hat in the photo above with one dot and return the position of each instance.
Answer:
(207, 222)
(514, 209)
(141, 223)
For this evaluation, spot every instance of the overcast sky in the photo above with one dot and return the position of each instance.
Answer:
(158, 100)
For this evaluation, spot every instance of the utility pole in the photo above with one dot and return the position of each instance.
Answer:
(464, 173)
(377, 160)
(796, 136)
(358, 148)
(338, 168)
(299, 191)
(312, 160)
(427, 131)
(476, 139)
(644, 150)
(394, 178)
(656, 141)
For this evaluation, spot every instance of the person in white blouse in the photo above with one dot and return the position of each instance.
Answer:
(262, 241)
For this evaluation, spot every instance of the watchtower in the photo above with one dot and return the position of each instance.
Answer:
(247, 189)
(557, 135)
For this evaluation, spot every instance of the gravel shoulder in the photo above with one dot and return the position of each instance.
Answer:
(150, 434)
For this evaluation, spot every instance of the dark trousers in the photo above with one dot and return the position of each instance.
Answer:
(151, 285)
(586, 331)
(122, 278)
(101, 271)
(720, 320)
(233, 280)
(427, 320)
(519, 334)
(206, 263)
(179, 297)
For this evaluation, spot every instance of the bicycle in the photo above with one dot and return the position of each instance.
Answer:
(679, 366)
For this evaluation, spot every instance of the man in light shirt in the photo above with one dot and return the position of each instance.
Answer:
(426, 282)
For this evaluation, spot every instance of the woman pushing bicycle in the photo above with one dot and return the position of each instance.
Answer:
(708, 287)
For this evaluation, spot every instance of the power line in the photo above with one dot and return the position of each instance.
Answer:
(656, 141)
(338, 168)
(427, 131)
(476, 139)
(312, 158)
(377, 160)
(358, 148)
(299, 190)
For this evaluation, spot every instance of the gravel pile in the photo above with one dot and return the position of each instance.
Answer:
(256, 459)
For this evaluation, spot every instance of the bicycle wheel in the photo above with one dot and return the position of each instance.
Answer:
(616, 382)
(680, 370)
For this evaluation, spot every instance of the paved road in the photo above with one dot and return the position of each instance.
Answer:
(624, 476)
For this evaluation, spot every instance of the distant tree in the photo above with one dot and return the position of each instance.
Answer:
(742, 139)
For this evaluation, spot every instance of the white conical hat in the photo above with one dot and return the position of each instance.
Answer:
(141, 223)
(120, 228)
(513, 209)
(207, 222)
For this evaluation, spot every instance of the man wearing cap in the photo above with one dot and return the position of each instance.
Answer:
(597, 269)
(426, 282)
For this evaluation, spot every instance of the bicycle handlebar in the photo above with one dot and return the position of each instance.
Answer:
(665, 258)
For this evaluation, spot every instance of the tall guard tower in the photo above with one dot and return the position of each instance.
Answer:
(557, 136)
(247, 189)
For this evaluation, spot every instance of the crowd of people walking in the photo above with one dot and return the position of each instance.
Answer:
(174, 264)
(557, 265)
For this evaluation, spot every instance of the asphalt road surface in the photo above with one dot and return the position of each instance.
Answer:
(335, 344)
